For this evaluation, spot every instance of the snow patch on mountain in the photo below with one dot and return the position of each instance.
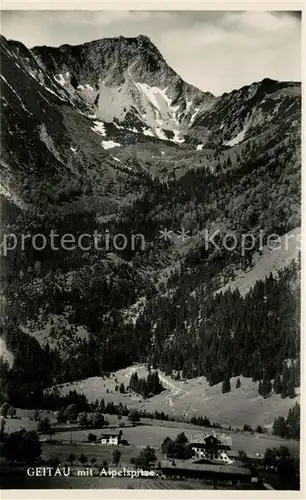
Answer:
(154, 94)
(5, 354)
(18, 97)
(87, 93)
(52, 92)
(147, 131)
(33, 75)
(188, 106)
(114, 102)
(238, 138)
(177, 137)
(149, 104)
(199, 147)
(193, 116)
(99, 128)
(134, 130)
(60, 79)
(159, 99)
(160, 134)
(119, 127)
(110, 144)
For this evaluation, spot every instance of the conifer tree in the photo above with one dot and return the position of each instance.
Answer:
(226, 386)
(277, 384)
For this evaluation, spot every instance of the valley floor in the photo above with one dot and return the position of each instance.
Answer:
(149, 432)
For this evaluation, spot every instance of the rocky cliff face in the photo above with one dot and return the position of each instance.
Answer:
(52, 147)
(127, 82)
(120, 76)
(77, 114)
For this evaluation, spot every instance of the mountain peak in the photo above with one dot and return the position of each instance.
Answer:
(130, 75)
(140, 39)
(144, 39)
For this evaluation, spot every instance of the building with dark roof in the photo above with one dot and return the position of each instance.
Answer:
(111, 437)
(212, 447)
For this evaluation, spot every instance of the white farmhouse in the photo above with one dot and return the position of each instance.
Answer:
(111, 438)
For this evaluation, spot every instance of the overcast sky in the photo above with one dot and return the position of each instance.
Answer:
(216, 51)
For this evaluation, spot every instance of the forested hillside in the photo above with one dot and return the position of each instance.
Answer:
(170, 158)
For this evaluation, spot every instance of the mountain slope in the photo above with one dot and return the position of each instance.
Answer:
(106, 136)
(267, 261)
(255, 110)
(53, 152)
(78, 105)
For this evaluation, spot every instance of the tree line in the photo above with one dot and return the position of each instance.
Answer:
(147, 387)
(288, 427)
